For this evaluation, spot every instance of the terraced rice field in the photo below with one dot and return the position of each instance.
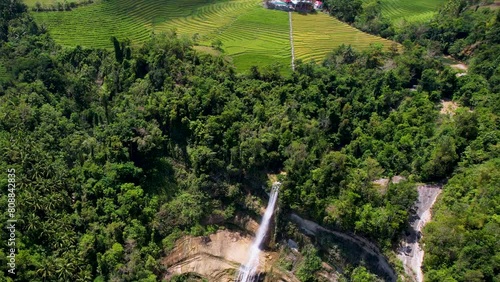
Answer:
(316, 35)
(410, 10)
(259, 37)
(93, 25)
(250, 34)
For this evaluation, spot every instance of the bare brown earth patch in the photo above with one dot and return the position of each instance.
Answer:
(460, 66)
(448, 107)
(383, 183)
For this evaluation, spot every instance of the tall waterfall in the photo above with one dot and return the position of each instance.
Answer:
(248, 272)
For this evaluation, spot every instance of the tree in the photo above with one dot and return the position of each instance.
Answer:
(309, 265)
(184, 211)
(9, 10)
(361, 274)
(460, 242)
(217, 45)
(442, 160)
(344, 10)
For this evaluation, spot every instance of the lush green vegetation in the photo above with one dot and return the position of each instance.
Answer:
(462, 242)
(471, 36)
(33, 3)
(118, 152)
(57, 6)
(309, 264)
(3, 72)
(364, 15)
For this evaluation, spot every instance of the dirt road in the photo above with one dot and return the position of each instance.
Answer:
(291, 39)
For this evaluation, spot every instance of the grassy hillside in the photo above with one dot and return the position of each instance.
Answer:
(93, 25)
(410, 10)
(250, 34)
(258, 37)
(316, 35)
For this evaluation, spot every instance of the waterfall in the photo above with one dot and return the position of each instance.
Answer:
(248, 271)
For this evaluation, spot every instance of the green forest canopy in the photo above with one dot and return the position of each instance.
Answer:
(118, 153)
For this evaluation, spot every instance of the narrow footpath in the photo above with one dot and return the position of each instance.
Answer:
(291, 39)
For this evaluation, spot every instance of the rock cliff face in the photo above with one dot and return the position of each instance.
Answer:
(364, 249)
(218, 257)
(410, 251)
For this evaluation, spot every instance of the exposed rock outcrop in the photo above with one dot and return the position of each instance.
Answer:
(365, 248)
(218, 257)
(410, 252)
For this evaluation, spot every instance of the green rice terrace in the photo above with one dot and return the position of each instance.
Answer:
(249, 33)
(410, 10)
(315, 35)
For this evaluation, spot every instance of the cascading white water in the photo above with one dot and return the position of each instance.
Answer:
(248, 271)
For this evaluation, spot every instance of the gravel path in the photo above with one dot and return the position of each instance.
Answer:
(291, 39)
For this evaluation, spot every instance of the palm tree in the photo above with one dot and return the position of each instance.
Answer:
(65, 269)
(46, 270)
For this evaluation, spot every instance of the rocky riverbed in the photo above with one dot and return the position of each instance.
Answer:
(410, 252)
